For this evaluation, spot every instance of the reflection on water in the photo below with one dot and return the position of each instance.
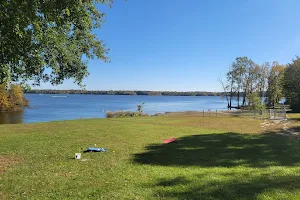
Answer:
(11, 117)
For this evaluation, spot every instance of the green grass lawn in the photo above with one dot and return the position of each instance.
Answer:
(213, 158)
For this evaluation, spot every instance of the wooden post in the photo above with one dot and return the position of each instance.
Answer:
(260, 112)
(203, 113)
(216, 113)
(284, 113)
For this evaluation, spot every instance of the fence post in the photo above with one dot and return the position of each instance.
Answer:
(216, 113)
(203, 113)
(261, 114)
(284, 113)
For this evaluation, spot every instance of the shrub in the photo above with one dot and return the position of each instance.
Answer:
(255, 102)
(120, 114)
(12, 98)
(140, 107)
(4, 99)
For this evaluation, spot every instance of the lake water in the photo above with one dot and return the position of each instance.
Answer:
(49, 107)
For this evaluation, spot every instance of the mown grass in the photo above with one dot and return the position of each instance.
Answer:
(213, 158)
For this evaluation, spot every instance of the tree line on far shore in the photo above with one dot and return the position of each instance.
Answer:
(256, 86)
(125, 92)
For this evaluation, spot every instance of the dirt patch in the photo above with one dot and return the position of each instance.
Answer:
(281, 127)
(8, 161)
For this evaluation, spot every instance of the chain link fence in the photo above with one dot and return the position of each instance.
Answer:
(273, 114)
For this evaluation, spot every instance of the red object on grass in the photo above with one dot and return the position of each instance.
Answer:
(169, 140)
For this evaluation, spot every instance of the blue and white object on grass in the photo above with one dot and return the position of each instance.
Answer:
(97, 149)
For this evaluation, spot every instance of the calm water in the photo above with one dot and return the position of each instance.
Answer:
(49, 107)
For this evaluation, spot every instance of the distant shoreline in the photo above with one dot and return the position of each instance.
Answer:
(126, 92)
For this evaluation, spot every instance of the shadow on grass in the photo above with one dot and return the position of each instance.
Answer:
(224, 150)
(252, 181)
(268, 186)
(296, 119)
(172, 182)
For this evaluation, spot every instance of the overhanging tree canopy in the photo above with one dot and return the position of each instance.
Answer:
(55, 34)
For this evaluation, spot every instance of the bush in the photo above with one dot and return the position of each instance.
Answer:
(12, 98)
(120, 114)
(4, 99)
(255, 102)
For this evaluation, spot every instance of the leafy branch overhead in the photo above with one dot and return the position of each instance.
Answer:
(49, 40)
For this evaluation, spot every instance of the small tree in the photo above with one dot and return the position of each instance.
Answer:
(275, 84)
(4, 98)
(255, 102)
(12, 98)
(140, 107)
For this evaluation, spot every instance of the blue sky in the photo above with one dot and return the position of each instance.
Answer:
(188, 45)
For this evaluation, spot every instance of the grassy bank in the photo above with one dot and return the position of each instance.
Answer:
(213, 158)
